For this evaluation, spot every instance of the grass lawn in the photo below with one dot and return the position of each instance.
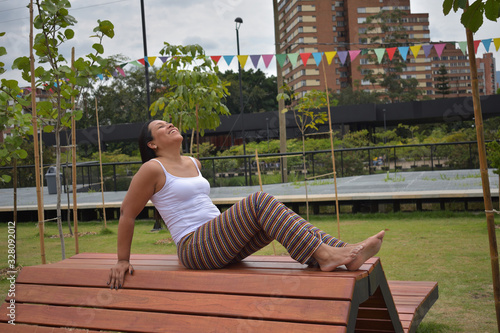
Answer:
(451, 248)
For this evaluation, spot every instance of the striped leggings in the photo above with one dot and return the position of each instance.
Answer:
(247, 227)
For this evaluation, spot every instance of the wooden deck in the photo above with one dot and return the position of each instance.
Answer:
(261, 294)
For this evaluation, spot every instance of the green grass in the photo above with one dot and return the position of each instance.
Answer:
(447, 247)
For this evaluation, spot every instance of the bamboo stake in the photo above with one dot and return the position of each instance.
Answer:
(483, 164)
(35, 140)
(100, 163)
(333, 152)
(260, 184)
(73, 161)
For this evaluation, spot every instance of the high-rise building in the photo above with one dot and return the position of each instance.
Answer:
(308, 26)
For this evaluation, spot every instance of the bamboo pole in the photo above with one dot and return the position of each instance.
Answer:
(100, 163)
(14, 183)
(483, 164)
(333, 152)
(73, 161)
(35, 140)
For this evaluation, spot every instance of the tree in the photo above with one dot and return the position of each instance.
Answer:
(12, 117)
(388, 28)
(443, 84)
(350, 96)
(194, 93)
(259, 91)
(472, 19)
(62, 81)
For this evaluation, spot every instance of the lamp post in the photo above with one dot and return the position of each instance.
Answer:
(146, 63)
(238, 22)
(385, 129)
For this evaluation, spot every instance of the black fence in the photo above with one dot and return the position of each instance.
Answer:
(242, 170)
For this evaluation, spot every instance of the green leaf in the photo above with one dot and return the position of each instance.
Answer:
(472, 18)
(69, 33)
(492, 10)
(447, 5)
(3, 51)
(22, 154)
(98, 47)
(6, 178)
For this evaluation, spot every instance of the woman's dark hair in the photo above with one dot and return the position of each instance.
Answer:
(144, 137)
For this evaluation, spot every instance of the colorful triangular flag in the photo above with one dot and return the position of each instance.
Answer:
(163, 59)
(142, 61)
(305, 56)
(255, 60)
(496, 41)
(476, 45)
(267, 59)
(487, 43)
(342, 56)
(228, 59)
(403, 52)
(380, 54)
(120, 70)
(151, 61)
(281, 58)
(317, 57)
(415, 50)
(439, 48)
(463, 47)
(353, 54)
(215, 59)
(329, 56)
(293, 58)
(242, 59)
(427, 49)
(137, 63)
(390, 52)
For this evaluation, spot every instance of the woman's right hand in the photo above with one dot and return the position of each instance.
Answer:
(117, 273)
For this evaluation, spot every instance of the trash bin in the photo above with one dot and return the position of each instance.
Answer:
(50, 179)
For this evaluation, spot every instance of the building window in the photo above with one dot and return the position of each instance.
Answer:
(361, 20)
(362, 10)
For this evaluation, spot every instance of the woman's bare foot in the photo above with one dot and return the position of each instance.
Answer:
(329, 257)
(371, 246)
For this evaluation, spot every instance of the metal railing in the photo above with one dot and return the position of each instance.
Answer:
(230, 170)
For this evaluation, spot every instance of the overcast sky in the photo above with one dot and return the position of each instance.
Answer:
(209, 23)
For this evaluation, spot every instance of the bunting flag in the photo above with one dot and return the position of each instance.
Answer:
(242, 59)
(380, 54)
(329, 56)
(439, 48)
(415, 50)
(496, 41)
(228, 59)
(342, 56)
(354, 54)
(476, 45)
(390, 52)
(267, 59)
(281, 58)
(215, 59)
(427, 49)
(255, 60)
(318, 56)
(305, 57)
(487, 43)
(403, 52)
(293, 58)
(463, 47)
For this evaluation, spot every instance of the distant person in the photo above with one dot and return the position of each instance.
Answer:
(207, 238)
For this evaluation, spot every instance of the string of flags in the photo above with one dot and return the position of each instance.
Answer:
(342, 56)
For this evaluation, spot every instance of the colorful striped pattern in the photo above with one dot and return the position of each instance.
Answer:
(245, 228)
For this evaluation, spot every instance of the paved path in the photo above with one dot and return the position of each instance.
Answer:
(444, 183)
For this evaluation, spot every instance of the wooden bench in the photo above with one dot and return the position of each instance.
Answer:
(261, 294)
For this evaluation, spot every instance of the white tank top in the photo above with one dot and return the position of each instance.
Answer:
(184, 203)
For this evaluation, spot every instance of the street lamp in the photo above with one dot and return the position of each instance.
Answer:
(238, 22)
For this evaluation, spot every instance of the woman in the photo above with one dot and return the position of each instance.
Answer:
(207, 239)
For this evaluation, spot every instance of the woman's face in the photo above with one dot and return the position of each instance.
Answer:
(163, 133)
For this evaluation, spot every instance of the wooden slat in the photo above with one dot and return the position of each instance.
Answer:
(276, 308)
(22, 328)
(138, 321)
(216, 281)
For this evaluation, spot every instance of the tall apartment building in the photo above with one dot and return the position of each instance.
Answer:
(323, 26)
